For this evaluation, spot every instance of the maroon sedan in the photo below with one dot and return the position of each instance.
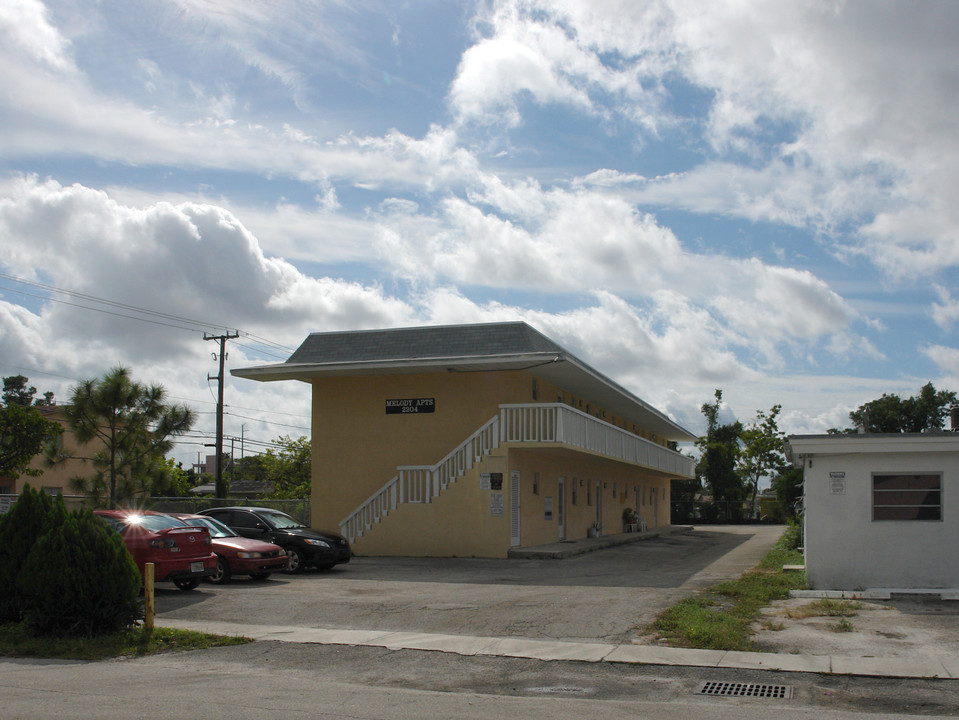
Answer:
(236, 555)
(178, 551)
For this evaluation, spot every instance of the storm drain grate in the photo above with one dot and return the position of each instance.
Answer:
(738, 689)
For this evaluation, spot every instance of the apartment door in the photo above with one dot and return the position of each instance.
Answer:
(514, 508)
(655, 492)
(561, 507)
(599, 505)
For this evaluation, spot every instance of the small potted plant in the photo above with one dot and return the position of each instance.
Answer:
(630, 520)
(593, 530)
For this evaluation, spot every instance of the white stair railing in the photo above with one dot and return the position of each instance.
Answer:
(530, 423)
(422, 483)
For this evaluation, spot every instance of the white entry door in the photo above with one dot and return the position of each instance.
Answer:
(599, 505)
(561, 508)
(514, 508)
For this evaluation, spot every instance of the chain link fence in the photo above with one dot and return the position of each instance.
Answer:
(300, 509)
(722, 511)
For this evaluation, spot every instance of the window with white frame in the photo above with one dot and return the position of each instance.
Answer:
(906, 496)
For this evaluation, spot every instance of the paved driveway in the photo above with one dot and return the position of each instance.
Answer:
(600, 596)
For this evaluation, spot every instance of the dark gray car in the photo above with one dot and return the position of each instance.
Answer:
(304, 546)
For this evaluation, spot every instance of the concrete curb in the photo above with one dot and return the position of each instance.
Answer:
(569, 548)
(943, 668)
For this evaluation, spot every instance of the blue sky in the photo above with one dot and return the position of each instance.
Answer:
(754, 196)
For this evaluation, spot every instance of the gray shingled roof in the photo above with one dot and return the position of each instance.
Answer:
(420, 343)
(462, 348)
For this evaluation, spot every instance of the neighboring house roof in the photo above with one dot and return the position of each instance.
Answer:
(238, 487)
(798, 447)
(462, 348)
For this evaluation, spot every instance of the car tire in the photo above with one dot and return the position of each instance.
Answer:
(258, 577)
(296, 560)
(187, 584)
(222, 574)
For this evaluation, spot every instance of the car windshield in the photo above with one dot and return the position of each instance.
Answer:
(216, 528)
(281, 521)
(153, 522)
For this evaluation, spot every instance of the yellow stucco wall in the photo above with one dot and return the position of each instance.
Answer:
(357, 447)
(615, 484)
(57, 479)
(458, 523)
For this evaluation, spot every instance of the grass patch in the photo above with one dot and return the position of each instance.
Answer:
(15, 641)
(826, 607)
(721, 618)
(843, 626)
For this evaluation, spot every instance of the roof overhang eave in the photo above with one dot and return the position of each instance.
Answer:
(308, 371)
(561, 368)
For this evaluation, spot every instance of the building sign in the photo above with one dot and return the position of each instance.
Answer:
(496, 504)
(410, 405)
(496, 482)
(837, 483)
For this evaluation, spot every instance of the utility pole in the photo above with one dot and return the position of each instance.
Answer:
(220, 489)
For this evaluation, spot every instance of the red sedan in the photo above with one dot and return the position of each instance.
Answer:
(237, 555)
(178, 551)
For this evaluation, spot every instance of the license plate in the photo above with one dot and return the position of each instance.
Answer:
(196, 567)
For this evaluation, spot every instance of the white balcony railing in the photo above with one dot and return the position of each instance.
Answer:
(558, 423)
(530, 423)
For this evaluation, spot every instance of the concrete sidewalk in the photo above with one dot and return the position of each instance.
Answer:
(568, 548)
(517, 647)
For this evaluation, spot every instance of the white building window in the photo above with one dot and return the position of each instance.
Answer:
(903, 496)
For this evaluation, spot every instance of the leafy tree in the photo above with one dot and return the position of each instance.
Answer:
(788, 485)
(289, 468)
(171, 479)
(23, 429)
(893, 414)
(134, 426)
(682, 495)
(720, 452)
(763, 451)
(252, 468)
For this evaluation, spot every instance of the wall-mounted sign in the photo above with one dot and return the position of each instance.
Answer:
(496, 481)
(548, 508)
(837, 483)
(404, 406)
(496, 504)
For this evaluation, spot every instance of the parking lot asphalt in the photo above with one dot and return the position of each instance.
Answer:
(599, 596)
(590, 607)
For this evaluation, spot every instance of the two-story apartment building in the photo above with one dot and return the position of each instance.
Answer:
(469, 440)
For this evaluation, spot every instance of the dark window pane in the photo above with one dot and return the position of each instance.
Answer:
(906, 482)
(907, 513)
(242, 519)
(907, 497)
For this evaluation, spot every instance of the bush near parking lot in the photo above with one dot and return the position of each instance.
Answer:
(20, 528)
(65, 573)
(79, 579)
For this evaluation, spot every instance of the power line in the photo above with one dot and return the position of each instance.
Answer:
(139, 314)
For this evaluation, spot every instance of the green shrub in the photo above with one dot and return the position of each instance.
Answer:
(79, 579)
(20, 528)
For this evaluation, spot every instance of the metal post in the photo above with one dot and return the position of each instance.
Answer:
(149, 608)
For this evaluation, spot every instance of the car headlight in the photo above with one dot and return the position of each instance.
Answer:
(318, 543)
(249, 555)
